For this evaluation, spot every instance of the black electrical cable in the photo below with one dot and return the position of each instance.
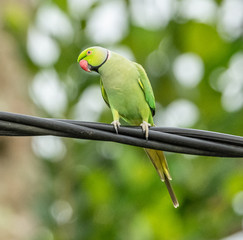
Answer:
(188, 141)
(165, 135)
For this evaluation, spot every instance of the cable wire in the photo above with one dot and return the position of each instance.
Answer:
(179, 140)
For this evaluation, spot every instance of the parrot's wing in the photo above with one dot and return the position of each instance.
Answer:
(104, 93)
(146, 87)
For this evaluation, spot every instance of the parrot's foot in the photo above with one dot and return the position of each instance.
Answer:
(145, 126)
(116, 125)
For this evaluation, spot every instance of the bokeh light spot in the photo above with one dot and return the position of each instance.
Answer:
(230, 83)
(41, 48)
(61, 211)
(157, 63)
(48, 92)
(200, 10)
(188, 69)
(90, 105)
(238, 203)
(231, 19)
(49, 147)
(152, 14)
(179, 113)
(108, 23)
(78, 8)
(51, 20)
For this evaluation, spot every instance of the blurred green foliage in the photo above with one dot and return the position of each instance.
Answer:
(100, 190)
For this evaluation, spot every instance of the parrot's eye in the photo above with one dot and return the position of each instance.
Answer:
(89, 52)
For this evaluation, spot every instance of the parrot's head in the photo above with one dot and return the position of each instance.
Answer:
(92, 58)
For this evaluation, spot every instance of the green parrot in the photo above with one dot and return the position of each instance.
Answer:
(126, 89)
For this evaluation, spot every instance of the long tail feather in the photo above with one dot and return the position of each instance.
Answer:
(171, 192)
(159, 161)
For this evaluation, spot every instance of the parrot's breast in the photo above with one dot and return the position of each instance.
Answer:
(120, 80)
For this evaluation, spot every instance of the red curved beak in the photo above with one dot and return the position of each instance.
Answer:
(84, 65)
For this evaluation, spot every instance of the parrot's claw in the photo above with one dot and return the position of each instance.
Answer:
(116, 125)
(145, 127)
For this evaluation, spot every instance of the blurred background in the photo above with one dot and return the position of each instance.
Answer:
(55, 188)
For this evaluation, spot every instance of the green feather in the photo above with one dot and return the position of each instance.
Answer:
(146, 87)
(104, 94)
